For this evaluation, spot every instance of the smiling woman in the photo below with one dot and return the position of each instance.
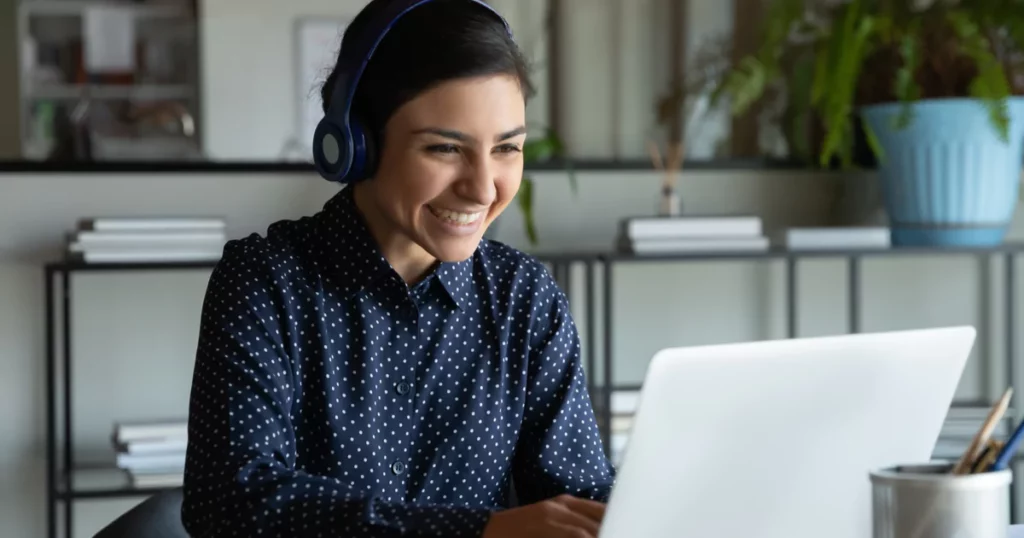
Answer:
(380, 369)
(445, 109)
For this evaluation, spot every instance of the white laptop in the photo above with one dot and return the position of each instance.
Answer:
(775, 439)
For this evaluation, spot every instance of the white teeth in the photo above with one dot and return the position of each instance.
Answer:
(456, 217)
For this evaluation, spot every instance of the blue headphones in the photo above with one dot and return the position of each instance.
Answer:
(342, 147)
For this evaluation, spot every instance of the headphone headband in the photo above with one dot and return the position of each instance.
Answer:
(341, 147)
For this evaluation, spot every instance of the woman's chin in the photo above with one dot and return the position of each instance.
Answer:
(455, 251)
(446, 248)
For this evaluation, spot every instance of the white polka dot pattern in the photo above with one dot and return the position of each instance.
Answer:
(331, 399)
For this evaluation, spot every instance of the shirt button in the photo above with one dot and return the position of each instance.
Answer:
(402, 388)
(398, 467)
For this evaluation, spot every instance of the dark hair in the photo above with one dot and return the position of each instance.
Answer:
(439, 41)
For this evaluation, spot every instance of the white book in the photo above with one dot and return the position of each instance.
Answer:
(691, 226)
(838, 238)
(624, 402)
(150, 431)
(967, 430)
(155, 446)
(151, 461)
(617, 446)
(152, 255)
(622, 423)
(105, 224)
(146, 246)
(162, 480)
(979, 414)
(699, 246)
(155, 471)
(90, 238)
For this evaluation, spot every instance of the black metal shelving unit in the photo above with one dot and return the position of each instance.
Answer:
(67, 483)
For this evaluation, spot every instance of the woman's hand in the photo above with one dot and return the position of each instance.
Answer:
(564, 516)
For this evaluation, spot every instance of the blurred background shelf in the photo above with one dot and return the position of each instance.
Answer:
(109, 80)
(76, 8)
(139, 92)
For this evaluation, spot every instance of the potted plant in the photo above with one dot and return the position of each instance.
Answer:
(934, 91)
(545, 148)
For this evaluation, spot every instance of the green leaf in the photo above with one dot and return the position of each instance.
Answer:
(819, 88)
(558, 150)
(990, 85)
(746, 84)
(525, 199)
(539, 149)
(873, 142)
(849, 46)
(906, 87)
(573, 184)
(536, 149)
(800, 88)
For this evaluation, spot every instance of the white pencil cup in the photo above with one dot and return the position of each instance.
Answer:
(927, 501)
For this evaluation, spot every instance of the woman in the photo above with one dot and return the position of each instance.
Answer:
(379, 369)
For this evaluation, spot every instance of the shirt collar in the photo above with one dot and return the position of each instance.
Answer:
(457, 279)
(357, 260)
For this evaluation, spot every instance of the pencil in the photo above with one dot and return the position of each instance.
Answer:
(987, 457)
(982, 437)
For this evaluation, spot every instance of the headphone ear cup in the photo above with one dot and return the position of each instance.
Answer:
(364, 156)
(332, 153)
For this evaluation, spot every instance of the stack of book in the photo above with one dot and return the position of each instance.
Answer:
(692, 234)
(624, 403)
(147, 240)
(153, 454)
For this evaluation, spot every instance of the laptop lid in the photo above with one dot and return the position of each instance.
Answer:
(775, 439)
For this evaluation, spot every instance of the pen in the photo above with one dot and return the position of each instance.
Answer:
(981, 439)
(1009, 449)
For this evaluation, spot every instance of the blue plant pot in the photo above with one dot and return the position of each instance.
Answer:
(947, 179)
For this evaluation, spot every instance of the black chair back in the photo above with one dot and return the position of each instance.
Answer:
(157, 517)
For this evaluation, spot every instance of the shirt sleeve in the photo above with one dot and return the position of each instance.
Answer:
(560, 449)
(241, 473)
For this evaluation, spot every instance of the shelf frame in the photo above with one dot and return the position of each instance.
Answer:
(61, 484)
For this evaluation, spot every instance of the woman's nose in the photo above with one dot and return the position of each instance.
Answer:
(478, 182)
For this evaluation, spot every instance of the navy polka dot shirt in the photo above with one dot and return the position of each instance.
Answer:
(331, 399)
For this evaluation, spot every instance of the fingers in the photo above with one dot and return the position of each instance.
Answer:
(592, 510)
(575, 525)
(575, 532)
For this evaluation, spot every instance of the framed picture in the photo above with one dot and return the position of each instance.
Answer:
(317, 41)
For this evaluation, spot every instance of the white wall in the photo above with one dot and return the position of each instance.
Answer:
(616, 58)
(136, 333)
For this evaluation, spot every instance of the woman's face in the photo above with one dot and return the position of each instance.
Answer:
(451, 162)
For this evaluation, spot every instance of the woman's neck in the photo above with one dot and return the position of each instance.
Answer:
(408, 259)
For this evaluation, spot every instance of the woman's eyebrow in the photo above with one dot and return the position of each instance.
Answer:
(511, 134)
(463, 137)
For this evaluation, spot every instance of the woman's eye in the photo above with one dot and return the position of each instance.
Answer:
(508, 148)
(443, 148)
